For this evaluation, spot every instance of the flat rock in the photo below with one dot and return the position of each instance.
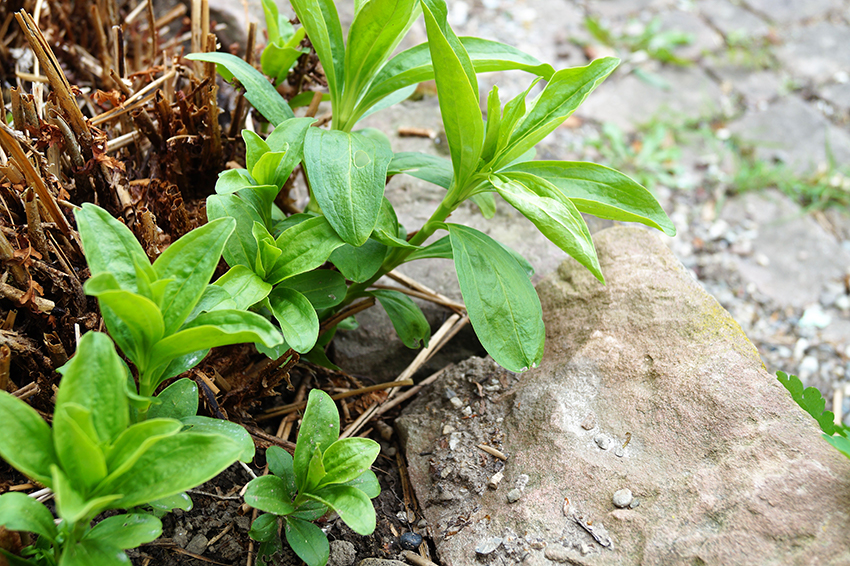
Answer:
(816, 52)
(792, 11)
(734, 21)
(705, 39)
(727, 469)
(791, 278)
(792, 131)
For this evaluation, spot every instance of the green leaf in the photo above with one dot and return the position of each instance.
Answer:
(423, 166)
(347, 173)
(126, 531)
(110, 246)
(387, 229)
(359, 264)
(319, 429)
(441, 249)
(177, 401)
(244, 286)
(485, 203)
(232, 180)
(71, 505)
(93, 552)
(413, 66)
(264, 528)
(27, 442)
(494, 121)
(322, 287)
(258, 91)
(310, 510)
(810, 400)
(172, 465)
(280, 464)
(352, 505)
(305, 246)
(564, 93)
(95, 378)
(269, 494)
(320, 19)
(307, 541)
(213, 329)
(241, 247)
(230, 430)
(315, 472)
(375, 32)
(347, 459)
(20, 512)
(142, 322)
(600, 191)
(255, 148)
(457, 90)
(168, 504)
(79, 454)
(131, 443)
(190, 262)
(503, 306)
(297, 318)
(557, 219)
(391, 100)
(368, 483)
(409, 322)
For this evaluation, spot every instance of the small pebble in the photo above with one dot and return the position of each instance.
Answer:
(410, 540)
(619, 452)
(623, 498)
(557, 553)
(456, 402)
(486, 547)
(602, 442)
(495, 480)
(514, 495)
(198, 544)
(422, 523)
(448, 429)
(342, 553)
(634, 504)
(589, 422)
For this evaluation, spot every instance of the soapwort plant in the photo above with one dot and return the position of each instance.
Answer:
(326, 473)
(350, 223)
(95, 459)
(165, 317)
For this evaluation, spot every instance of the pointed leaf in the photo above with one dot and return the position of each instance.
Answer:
(600, 191)
(348, 458)
(359, 263)
(280, 464)
(423, 166)
(130, 444)
(297, 318)
(558, 220)
(244, 286)
(20, 512)
(258, 91)
(190, 262)
(126, 531)
(409, 322)
(322, 287)
(321, 21)
(177, 401)
(264, 528)
(503, 306)
(319, 429)
(141, 318)
(230, 430)
(368, 483)
(93, 553)
(79, 454)
(241, 248)
(269, 494)
(307, 541)
(347, 172)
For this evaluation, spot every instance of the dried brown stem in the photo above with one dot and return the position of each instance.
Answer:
(34, 229)
(350, 310)
(292, 407)
(6, 383)
(7, 255)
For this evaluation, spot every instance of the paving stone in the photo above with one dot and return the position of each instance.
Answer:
(705, 39)
(837, 94)
(793, 132)
(756, 87)
(625, 8)
(817, 52)
(791, 11)
(788, 276)
(628, 101)
(733, 21)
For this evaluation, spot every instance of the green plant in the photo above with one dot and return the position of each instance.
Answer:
(810, 400)
(650, 39)
(326, 473)
(165, 317)
(351, 224)
(94, 460)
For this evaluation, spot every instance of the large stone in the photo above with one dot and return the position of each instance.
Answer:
(647, 384)
(793, 257)
(793, 132)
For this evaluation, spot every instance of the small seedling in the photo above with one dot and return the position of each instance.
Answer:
(165, 317)
(95, 459)
(326, 473)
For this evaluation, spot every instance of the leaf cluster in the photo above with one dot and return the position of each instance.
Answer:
(326, 473)
(94, 459)
(810, 400)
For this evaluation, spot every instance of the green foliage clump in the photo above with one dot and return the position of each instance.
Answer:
(810, 400)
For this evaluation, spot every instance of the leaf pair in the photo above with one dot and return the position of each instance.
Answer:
(94, 459)
(325, 473)
(165, 316)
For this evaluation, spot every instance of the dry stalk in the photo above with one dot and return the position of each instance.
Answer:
(239, 112)
(34, 230)
(292, 407)
(7, 255)
(6, 383)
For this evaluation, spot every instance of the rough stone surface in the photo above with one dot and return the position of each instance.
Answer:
(787, 11)
(727, 468)
(791, 278)
(733, 20)
(793, 132)
(342, 553)
(817, 52)
(705, 39)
